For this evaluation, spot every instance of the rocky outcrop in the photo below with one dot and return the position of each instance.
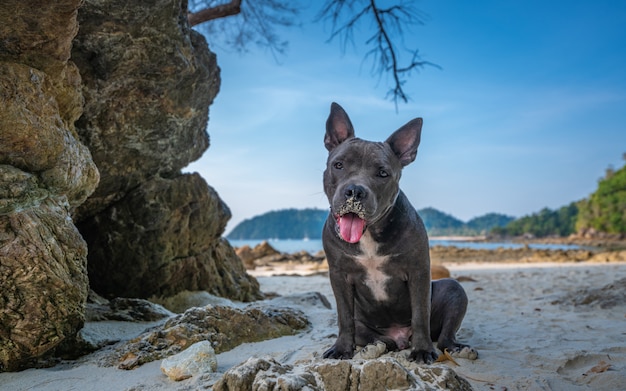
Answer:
(525, 254)
(164, 238)
(225, 327)
(45, 173)
(249, 255)
(265, 260)
(148, 81)
(123, 309)
(384, 373)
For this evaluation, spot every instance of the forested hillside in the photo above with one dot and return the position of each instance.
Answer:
(282, 224)
(547, 222)
(604, 211)
(485, 223)
(308, 223)
(442, 224)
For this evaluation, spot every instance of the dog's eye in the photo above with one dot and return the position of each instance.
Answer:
(338, 165)
(382, 173)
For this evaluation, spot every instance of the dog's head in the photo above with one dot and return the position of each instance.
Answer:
(362, 177)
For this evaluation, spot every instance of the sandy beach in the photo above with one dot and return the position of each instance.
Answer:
(538, 326)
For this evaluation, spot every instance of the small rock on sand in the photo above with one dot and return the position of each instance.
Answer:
(197, 359)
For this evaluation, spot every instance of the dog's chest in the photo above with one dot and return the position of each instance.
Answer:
(373, 263)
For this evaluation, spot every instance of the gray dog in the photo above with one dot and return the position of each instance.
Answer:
(377, 249)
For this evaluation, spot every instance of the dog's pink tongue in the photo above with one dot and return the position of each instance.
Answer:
(351, 227)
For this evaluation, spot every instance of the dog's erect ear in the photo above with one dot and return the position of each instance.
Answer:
(338, 127)
(404, 141)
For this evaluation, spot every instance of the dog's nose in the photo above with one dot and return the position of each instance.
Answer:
(356, 192)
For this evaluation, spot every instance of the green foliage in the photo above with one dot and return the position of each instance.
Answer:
(282, 224)
(442, 224)
(485, 223)
(547, 222)
(438, 223)
(308, 223)
(605, 210)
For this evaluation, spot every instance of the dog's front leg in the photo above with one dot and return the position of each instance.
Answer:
(422, 349)
(344, 295)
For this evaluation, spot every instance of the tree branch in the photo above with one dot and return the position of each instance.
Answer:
(385, 46)
(219, 11)
(389, 23)
(347, 28)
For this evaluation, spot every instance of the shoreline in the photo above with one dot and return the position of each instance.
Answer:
(457, 238)
(314, 246)
(265, 260)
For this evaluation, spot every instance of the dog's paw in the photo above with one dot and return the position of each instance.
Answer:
(338, 353)
(423, 356)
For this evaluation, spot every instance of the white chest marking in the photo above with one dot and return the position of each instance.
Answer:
(375, 278)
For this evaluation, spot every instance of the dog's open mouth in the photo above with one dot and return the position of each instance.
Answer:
(351, 222)
(350, 227)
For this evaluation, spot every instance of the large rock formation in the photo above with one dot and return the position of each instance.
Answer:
(45, 172)
(148, 81)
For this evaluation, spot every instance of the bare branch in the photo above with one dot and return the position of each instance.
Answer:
(389, 23)
(255, 23)
(216, 12)
(388, 53)
(333, 11)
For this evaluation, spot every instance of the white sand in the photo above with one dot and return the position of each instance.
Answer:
(524, 341)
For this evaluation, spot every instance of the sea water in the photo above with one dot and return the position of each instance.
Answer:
(314, 245)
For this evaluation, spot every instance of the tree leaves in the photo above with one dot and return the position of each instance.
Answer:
(605, 210)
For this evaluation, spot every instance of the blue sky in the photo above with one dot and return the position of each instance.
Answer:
(527, 111)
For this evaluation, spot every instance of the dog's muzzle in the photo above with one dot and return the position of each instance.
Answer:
(351, 223)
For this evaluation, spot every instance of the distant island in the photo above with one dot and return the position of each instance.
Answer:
(442, 224)
(308, 223)
(282, 224)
